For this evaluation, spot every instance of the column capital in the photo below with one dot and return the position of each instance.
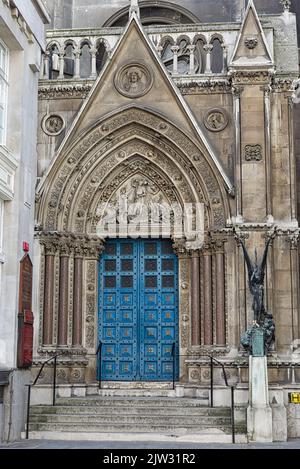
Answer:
(175, 49)
(208, 48)
(237, 90)
(179, 247)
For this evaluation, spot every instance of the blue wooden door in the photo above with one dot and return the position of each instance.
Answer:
(138, 310)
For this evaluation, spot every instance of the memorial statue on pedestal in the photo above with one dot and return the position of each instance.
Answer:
(256, 277)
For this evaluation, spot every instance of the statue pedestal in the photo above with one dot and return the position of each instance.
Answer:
(259, 412)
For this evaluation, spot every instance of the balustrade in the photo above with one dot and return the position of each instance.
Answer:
(71, 55)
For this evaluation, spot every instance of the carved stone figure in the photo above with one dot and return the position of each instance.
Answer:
(133, 80)
(251, 42)
(53, 125)
(256, 277)
(216, 120)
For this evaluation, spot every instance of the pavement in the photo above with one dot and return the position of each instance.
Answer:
(128, 445)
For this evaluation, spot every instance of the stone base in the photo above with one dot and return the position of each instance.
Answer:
(259, 424)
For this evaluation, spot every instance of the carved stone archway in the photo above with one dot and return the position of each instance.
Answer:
(132, 143)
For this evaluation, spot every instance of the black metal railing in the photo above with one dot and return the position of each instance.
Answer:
(99, 355)
(30, 386)
(232, 388)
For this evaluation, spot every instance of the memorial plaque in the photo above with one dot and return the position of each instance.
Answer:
(258, 344)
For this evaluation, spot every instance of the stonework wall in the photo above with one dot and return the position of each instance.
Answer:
(247, 116)
(19, 150)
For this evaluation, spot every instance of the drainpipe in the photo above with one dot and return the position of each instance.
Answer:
(11, 393)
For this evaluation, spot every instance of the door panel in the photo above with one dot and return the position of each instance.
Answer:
(138, 310)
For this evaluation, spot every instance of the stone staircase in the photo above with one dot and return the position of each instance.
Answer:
(133, 418)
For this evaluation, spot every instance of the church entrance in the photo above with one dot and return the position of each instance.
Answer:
(138, 310)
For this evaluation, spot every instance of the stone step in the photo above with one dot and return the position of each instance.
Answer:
(90, 419)
(130, 410)
(131, 428)
(199, 393)
(204, 436)
(138, 401)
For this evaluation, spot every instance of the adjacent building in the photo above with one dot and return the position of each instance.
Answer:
(22, 42)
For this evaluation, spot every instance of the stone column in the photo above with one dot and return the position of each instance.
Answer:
(159, 50)
(61, 75)
(191, 50)
(175, 50)
(48, 294)
(220, 294)
(77, 55)
(78, 290)
(267, 96)
(293, 185)
(225, 58)
(93, 53)
(294, 269)
(63, 296)
(45, 71)
(208, 49)
(91, 262)
(207, 293)
(196, 332)
(238, 164)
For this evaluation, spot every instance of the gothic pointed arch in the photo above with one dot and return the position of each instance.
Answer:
(116, 148)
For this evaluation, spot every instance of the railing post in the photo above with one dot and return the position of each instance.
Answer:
(232, 415)
(211, 382)
(54, 381)
(28, 411)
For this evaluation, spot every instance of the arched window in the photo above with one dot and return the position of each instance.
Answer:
(54, 61)
(85, 61)
(217, 56)
(69, 61)
(101, 57)
(152, 13)
(167, 54)
(200, 56)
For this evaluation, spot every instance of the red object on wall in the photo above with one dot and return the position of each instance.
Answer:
(25, 247)
(25, 316)
(25, 344)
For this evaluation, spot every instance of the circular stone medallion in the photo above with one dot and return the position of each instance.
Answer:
(134, 80)
(216, 120)
(53, 125)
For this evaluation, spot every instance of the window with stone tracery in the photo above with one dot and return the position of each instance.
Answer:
(3, 90)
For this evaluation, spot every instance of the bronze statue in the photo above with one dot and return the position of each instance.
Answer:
(256, 277)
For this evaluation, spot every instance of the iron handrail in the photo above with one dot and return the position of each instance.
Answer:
(29, 386)
(232, 388)
(99, 353)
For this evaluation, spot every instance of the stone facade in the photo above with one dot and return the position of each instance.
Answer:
(210, 117)
(22, 39)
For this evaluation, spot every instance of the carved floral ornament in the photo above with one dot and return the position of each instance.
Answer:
(93, 164)
(53, 124)
(134, 80)
(253, 153)
(216, 120)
